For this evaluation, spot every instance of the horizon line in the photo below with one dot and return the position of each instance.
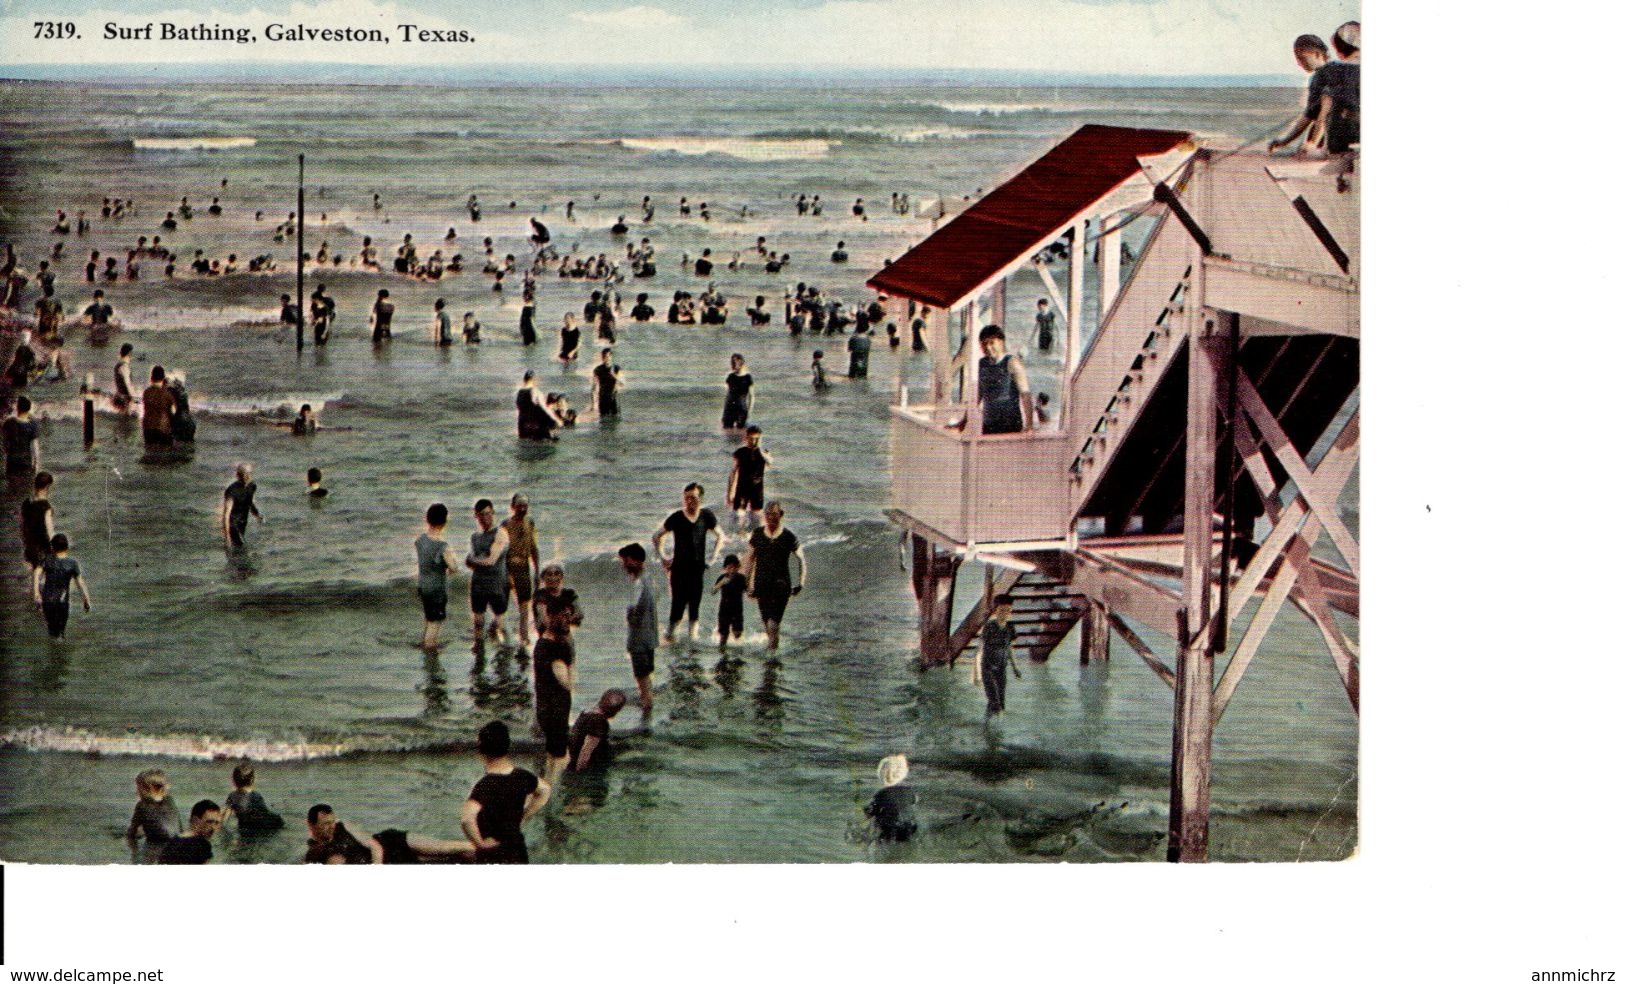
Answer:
(510, 73)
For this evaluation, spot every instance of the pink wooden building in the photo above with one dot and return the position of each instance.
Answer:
(1206, 425)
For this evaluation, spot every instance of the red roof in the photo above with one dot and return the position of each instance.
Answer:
(1023, 215)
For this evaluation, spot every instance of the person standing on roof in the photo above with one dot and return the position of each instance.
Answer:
(1311, 53)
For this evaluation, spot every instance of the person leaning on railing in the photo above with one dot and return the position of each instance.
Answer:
(1007, 403)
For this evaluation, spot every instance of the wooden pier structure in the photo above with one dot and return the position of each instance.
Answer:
(1206, 426)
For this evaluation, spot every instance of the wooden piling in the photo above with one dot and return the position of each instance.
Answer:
(934, 573)
(1094, 632)
(1193, 685)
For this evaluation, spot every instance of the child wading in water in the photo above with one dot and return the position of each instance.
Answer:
(892, 807)
(731, 611)
(993, 658)
(156, 817)
(53, 578)
(248, 806)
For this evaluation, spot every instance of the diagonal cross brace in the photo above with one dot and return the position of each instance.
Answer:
(1313, 488)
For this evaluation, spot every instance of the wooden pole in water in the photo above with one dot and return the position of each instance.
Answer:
(88, 391)
(1188, 799)
(1095, 632)
(934, 573)
(299, 276)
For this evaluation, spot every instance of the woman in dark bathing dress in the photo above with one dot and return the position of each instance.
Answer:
(737, 405)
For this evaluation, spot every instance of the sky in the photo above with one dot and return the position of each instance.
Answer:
(1090, 37)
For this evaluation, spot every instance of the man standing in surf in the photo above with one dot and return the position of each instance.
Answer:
(488, 587)
(746, 480)
(689, 528)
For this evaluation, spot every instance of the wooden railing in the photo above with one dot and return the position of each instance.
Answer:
(991, 488)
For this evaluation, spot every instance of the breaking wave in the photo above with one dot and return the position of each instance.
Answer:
(192, 143)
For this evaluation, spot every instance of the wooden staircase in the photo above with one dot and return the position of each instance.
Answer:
(1042, 612)
(1135, 345)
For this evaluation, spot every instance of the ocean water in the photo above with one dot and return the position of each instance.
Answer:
(299, 652)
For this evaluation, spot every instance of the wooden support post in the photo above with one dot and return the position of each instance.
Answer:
(1074, 299)
(1110, 264)
(934, 574)
(998, 306)
(1193, 688)
(969, 368)
(1094, 632)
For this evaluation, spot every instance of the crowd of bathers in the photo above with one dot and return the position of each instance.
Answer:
(688, 544)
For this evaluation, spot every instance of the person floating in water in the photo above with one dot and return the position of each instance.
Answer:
(313, 486)
(331, 842)
(892, 808)
(820, 377)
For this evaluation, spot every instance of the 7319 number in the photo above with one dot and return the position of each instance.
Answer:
(55, 30)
